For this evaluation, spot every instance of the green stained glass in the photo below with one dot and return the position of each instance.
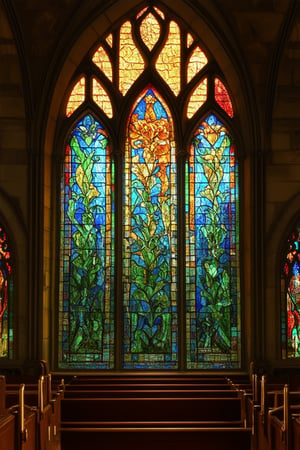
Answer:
(212, 250)
(150, 234)
(86, 305)
(290, 295)
(6, 297)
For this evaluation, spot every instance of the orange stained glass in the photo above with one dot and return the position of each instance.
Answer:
(222, 97)
(150, 31)
(131, 61)
(102, 61)
(101, 98)
(168, 61)
(77, 97)
(197, 99)
(141, 12)
(196, 62)
(159, 12)
(109, 40)
(189, 40)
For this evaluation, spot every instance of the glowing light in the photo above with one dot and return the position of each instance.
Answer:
(101, 98)
(190, 40)
(102, 61)
(197, 99)
(131, 62)
(77, 97)
(196, 63)
(150, 31)
(222, 97)
(168, 62)
(109, 40)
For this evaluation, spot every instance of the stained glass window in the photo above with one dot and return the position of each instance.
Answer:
(149, 261)
(212, 248)
(87, 249)
(6, 297)
(290, 295)
(150, 256)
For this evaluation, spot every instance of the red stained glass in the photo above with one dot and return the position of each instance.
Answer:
(222, 97)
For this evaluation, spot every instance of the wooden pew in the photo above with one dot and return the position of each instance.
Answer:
(163, 393)
(206, 423)
(283, 421)
(152, 409)
(45, 405)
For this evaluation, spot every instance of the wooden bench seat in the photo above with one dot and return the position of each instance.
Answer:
(166, 393)
(154, 386)
(137, 409)
(164, 437)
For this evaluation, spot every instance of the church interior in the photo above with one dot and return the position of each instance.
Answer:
(150, 224)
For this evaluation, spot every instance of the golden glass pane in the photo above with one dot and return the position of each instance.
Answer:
(102, 61)
(109, 40)
(150, 31)
(197, 99)
(197, 61)
(190, 40)
(131, 63)
(101, 98)
(77, 97)
(168, 61)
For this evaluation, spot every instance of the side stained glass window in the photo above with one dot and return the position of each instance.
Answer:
(87, 249)
(149, 262)
(6, 297)
(150, 256)
(290, 296)
(212, 274)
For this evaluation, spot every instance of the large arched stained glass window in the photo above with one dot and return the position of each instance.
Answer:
(290, 295)
(6, 297)
(150, 275)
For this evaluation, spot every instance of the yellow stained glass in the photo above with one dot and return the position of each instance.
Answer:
(131, 64)
(102, 61)
(196, 62)
(190, 40)
(150, 31)
(101, 98)
(109, 40)
(197, 99)
(77, 97)
(168, 61)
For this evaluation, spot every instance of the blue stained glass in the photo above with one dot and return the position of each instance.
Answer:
(86, 305)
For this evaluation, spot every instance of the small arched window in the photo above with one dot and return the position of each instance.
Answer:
(290, 295)
(6, 297)
(149, 236)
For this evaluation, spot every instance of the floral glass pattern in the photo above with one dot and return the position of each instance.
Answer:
(86, 307)
(150, 258)
(212, 261)
(125, 301)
